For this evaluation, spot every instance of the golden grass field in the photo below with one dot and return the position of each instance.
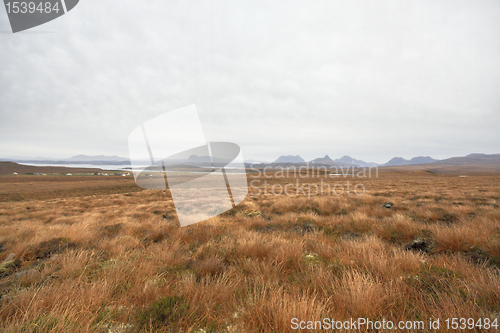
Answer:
(99, 254)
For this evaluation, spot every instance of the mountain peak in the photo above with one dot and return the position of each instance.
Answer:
(323, 160)
(398, 161)
(354, 162)
(289, 159)
(345, 159)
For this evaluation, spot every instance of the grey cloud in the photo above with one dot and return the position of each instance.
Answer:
(368, 79)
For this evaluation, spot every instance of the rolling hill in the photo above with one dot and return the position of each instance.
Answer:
(289, 159)
(398, 161)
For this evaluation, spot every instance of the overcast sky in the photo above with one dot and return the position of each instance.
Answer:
(369, 79)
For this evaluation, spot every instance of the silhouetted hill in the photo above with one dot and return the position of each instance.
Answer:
(352, 161)
(422, 160)
(289, 159)
(399, 161)
(473, 159)
(323, 160)
(470, 164)
(196, 158)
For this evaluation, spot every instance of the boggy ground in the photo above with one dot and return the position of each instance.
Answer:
(94, 254)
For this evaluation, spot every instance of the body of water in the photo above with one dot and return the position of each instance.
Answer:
(115, 167)
(89, 166)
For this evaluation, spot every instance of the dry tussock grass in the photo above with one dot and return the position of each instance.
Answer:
(120, 262)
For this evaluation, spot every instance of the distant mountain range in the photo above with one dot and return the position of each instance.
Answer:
(398, 161)
(471, 163)
(351, 161)
(471, 159)
(323, 160)
(326, 160)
